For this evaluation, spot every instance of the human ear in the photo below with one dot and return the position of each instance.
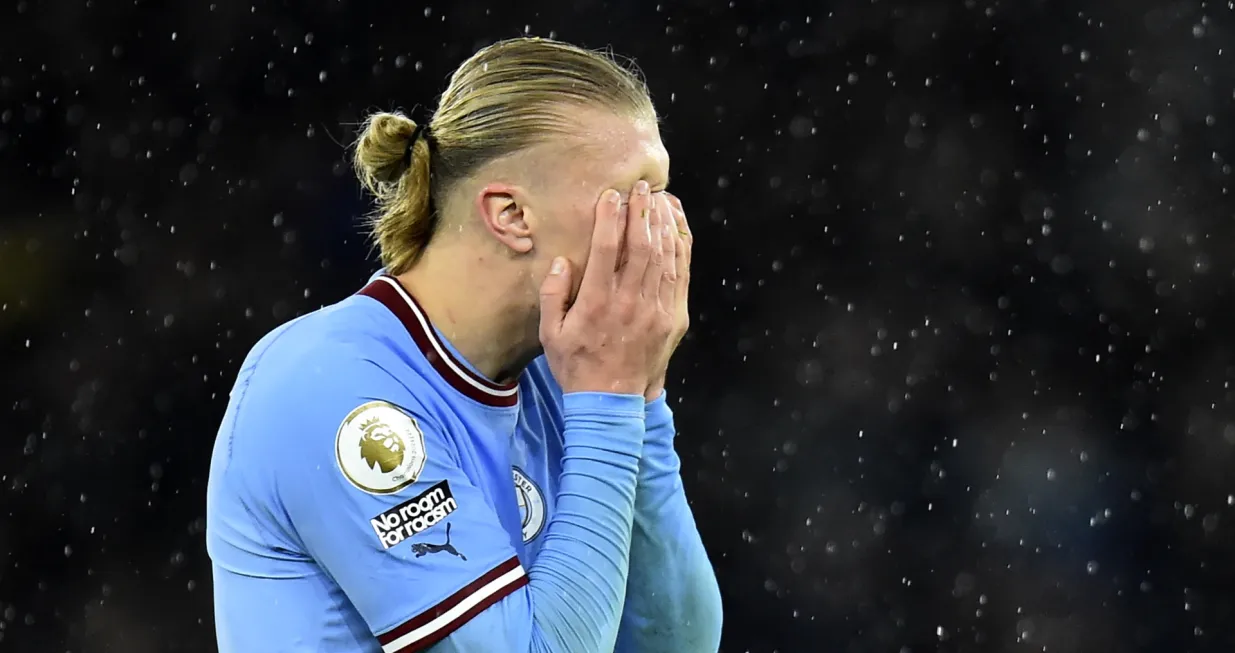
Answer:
(505, 215)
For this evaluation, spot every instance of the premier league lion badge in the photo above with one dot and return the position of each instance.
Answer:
(380, 448)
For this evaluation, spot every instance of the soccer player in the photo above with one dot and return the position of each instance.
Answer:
(474, 452)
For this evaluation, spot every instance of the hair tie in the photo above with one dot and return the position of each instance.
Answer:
(411, 143)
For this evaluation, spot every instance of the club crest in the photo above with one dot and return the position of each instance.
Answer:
(531, 505)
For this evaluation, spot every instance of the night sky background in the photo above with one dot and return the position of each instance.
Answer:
(959, 378)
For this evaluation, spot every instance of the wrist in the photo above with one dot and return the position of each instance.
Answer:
(606, 385)
(603, 406)
(655, 389)
(658, 424)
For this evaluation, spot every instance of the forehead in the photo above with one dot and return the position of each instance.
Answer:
(611, 150)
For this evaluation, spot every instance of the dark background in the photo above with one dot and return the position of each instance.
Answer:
(960, 373)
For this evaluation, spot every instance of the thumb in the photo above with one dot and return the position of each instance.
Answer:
(554, 297)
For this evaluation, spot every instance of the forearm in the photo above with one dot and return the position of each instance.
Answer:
(672, 599)
(577, 582)
(573, 600)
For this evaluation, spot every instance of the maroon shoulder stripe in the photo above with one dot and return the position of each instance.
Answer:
(436, 623)
(394, 297)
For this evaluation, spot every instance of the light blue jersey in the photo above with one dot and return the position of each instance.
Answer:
(369, 491)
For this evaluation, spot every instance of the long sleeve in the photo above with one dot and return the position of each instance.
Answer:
(672, 599)
(573, 600)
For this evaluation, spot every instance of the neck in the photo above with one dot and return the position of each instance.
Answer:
(481, 304)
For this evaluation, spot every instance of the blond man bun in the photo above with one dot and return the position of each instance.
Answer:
(506, 97)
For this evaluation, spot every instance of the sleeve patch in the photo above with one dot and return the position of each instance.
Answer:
(416, 515)
(380, 449)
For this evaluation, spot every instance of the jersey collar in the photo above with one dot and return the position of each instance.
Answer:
(392, 295)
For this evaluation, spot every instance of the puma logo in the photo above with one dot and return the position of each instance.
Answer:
(425, 548)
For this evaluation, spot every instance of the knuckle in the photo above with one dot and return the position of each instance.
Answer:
(594, 310)
(584, 309)
(626, 306)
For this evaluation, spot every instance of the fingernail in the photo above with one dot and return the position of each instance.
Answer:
(557, 265)
(641, 187)
(612, 197)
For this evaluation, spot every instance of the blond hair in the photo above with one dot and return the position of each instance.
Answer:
(506, 97)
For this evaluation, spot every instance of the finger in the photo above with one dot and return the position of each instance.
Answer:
(656, 264)
(607, 237)
(681, 258)
(683, 230)
(675, 201)
(638, 239)
(685, 248)
(554, 298)
(672, 246)
(681, 285)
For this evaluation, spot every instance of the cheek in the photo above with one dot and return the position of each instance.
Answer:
(576, 239)
(570, 222)
(577, 232)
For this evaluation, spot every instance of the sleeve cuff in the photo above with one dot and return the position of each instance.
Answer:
(610, 422)
(603, 402)
(436, 623)
(657, 414)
